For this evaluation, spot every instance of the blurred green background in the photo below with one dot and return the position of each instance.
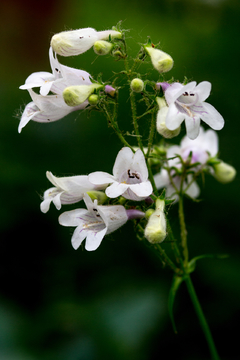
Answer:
(57, 303)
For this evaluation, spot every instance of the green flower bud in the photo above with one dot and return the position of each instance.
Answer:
(137, 85)
(160, 60)
(100, 196)
(224, 173)
(156, 229)
(148, 213)
(93, 99)
(102, 47)
(76, 95)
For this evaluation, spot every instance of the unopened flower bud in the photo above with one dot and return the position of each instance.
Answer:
(148, 213)
(161, 117)
(100, 196)
(135, 214)
(93, 99)
(224, 173)
(160, 60)
(156, 229)
(110, 90)
(76, 95)
(75, 42)
(137, 85)
(102, 47)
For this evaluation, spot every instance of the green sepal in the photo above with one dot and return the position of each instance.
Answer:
(177, 280)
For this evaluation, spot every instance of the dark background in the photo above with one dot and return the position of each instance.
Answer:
(57, 303)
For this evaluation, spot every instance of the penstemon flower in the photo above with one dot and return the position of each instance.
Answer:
(94, 222)
(47, 108)
(66, 190)
(187, 102)
(56, 82)
(129, 179)
(201, 149)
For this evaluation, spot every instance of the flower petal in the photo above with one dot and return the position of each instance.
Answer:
(212, 117)
(139, 165)
(192, 127)
(73, 217)
(116, 189)
(29, 112)
(123, 162)
(94, 239)
(203, 90)
(144, 189)
(100, 177)
(78, 236)
(173, 118)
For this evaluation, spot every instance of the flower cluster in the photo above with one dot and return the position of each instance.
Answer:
(131, 191)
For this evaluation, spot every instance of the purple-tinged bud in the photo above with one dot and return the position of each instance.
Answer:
(149, 200)
(110, 90)
(135, 214)
(164, 85)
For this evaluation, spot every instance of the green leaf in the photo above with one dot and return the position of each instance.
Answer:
(177, 280)
(192, 263)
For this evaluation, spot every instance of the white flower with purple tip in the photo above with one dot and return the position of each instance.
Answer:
(93, 223)
(129, 179)
(66, 190)
(187, 102)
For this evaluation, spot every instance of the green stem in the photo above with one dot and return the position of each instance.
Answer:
(135, 122)
(201, 318)
(183, 229)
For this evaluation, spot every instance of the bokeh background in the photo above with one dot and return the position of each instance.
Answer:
(57, 303)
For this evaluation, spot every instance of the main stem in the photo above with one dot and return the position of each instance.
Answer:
(201, 317)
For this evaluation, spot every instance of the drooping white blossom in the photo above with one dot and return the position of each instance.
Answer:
(66, 190)
(93, 223)
(47, 108)
(75, 42)
(129, 179)
(187, 102)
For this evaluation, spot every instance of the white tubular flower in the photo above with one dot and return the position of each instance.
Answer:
(94, 223)
(129, 179)
(156, 229)
(75, 42)
(47, 108)
(56, 82)
(162, 180)
(202, 148)
(66, 190)
(161, 61)
(161, 118)
(187, 102)
(224, 173)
